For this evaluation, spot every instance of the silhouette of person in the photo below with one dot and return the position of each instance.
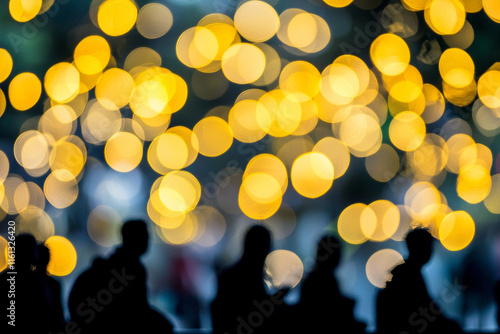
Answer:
(404, 306)
(52, 290)
(23, 294)
(322, 308)
(242, 304)
(111, 296)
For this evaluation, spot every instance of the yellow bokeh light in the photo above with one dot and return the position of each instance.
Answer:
(492, 9)
(434, 104)
(422, 200)
(462, 39)
(379, 266)
(456, 230)
(117, 17)
(379, 220)
(338, 3)
(6, 61)
(349, 223)
(62, 82)
(256, 21)
(262, 187)
(456, 145)
(3, 253)
(24, 10)
(214, 136)
(24, 91)
(474, 183)
(390, 54)
(35, 221)
(104, 226)
(243, 63)
(167, 152)
(488, 88)
(183, 234)
(283, 269)
(312, 174)
(15, 195)
(384, 164)
(92, 55)
(197, 47)
(69, 154)
(257, 210)
(3, 102)
(407, 131)
(61, 188)
(448, 24)
(244, 121)
(456, 68)
(114, 89)
(63, 256)
(361, 132)
(154, 20)
(491, 202)
(337, 152)
(123, 151)
(301, 79)
(180, 191)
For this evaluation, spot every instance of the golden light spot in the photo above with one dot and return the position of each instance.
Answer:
(6, 61)
(117, 17)
(407, 131)
(92, 55)
(211, 226)
(154, 20)
(488, 88)
(36, 196)
(3, 253)
(271, 165)
(429, 158)
(422, 200)
(104, 226)
(360, 131)
(337, 152)
(283, 269)
(62, 256)
(338, 3)
(456, 230)
(168, 151)
(473, 6)
(182, 234)
(257, 210)
(380, 264)
(4, 166)
(141, 56)
(390, 54)
(379, 220)
(307, 32)
(214, 136)
(462, 39)
(180, 191)
(123, 151)
(35, 221)
(414, 5)
(448, 24)
(302, 30)
(456, 145)
(261, 187)
(15, 194)
(189, 139)
(3, 103)
(349, 223)
(312, 174)
(24, 10)
(197, 47)
(492, 9)
(62, 82)
(434, 104)
(460, 97)
(491, 202)
(243, 63)
(339, 84)
(383, 165)
(474, 183)
(61, 188)
(114, 89)
(245, 123)
(256, 21)
(24, 91)
(152, 127)
(99, 124)
(69, 154)
(31, 150)
(280, 111)
(301, 79)
(456, 68)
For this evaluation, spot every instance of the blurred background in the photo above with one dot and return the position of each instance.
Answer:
(115, 110)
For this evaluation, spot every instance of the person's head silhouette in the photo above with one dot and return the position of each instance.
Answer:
(43, 258)
(257, 244)
(135, 237)
(419, 243)
(328, 253)
(25, 252)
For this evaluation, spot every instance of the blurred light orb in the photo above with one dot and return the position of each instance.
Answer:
(491, 202)
(25, 90)
(104, 226)
(337, 152)
(3, 253)
(256, 21)
(214, 135)
(92, 55)
(448, 24)
(7, 64)
(180, 191)
(456, 68)
(283, 269)
(114, 89)
(474, 183)
(62, 82)
(243, 63)
(349, 223)
(380, 220)
(492, 9)
(379, 266)
(3, 102)
(35, 221)
(24, 10)
(123, 151)
(61, 188)
(383, 165)
(211, 226)
(407, 131)
(197, 47)
(390, 54)
(117, 17)
(154, 20)
(312, 174)
(63, 256)
(456, 230)
(338, 3)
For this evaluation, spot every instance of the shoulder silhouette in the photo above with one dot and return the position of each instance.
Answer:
(405, 305)
(322, 307)
(111, 296)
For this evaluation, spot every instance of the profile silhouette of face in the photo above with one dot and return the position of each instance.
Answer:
(135, 237)
(25, 251)
(257, 244)
(419, 242)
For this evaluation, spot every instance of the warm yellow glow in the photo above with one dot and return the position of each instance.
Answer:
(337, 152)
(390, 54)
(422, 200)
(491, 202)
(31, 150)
(407, 131)
(62, 82)
(15, 195)
(474, 183)
(141, 56)
(301, 79)
(3, 253)
(168, 151)
(114, 89)
(62, 256)
(380, 220)
(338, 3)
(117, 17)
(271, 165)
(361, 132)
(456, 68)
(261, 187)
(68, 155)
(154, 20)
(123, 151)
(254, 209)
(488, 88)
(214, 136)
(283, 269)
(182, 234)
(434, 104)
(445, 17)
(429, 158)
(24, 10)
(211, 226)
(6, 61)
(492, 9)
(312, 174)
(456, 230)
(104, 226)
(349, 223)
(92, 55)
(243, 63)
(380, 264)
(384, 164)
(24, 91)
(456, 145)
(462, 39)
(197, 47)
(61, 188)
(99, 124)
(245, 123)
(280, 111)
(180, 191)
(256, 21)
(3, 102)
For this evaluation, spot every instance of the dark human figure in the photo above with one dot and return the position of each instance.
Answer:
(111, 296)
(404, 306)
(52, 290)
(23, 296)
(242, 304)
(322, 308)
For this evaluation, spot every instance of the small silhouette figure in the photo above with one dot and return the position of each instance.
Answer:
(322, 308)
(52, 290)
(111, 296)
(23, 293)
(404, 306)
(242, 304)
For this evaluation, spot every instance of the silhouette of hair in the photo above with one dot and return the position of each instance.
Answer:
(43, 256)
(25, 251)
(257, 241)
(135, 236)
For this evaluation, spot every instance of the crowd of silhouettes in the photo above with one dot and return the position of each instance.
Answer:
(111, 295)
